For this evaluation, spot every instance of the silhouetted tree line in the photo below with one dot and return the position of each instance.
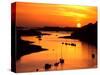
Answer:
(47, 28)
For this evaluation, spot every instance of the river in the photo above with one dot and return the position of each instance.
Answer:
(75, 57)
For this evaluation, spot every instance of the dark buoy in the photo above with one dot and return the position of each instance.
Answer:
(47, 66)
(66, 43)
(62, 42)
(56, 64)
(93, 56)
(61, 61)
(37, 70)
(40, 39)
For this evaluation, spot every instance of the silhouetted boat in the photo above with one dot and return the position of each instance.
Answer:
(47, 66)
(61, 60)
(56, 64)
(66, 43)
(72, 44)
(62, 42)
(40, 39)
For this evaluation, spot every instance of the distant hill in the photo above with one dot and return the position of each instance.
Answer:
(87, 33)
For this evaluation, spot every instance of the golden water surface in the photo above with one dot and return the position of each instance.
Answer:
(75, 57)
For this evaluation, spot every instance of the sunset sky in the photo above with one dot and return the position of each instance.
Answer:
(39, 15)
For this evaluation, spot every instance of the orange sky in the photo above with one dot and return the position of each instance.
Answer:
(36, 14)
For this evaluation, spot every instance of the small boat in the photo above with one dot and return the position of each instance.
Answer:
(40, 39)
(66, 43)
(56, 64)
(72, 44)
(47, 66)
(61, 60)
(62, 42)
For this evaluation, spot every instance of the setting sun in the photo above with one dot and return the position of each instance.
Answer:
(78, 25)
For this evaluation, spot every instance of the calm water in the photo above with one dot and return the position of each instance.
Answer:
(75, 57)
